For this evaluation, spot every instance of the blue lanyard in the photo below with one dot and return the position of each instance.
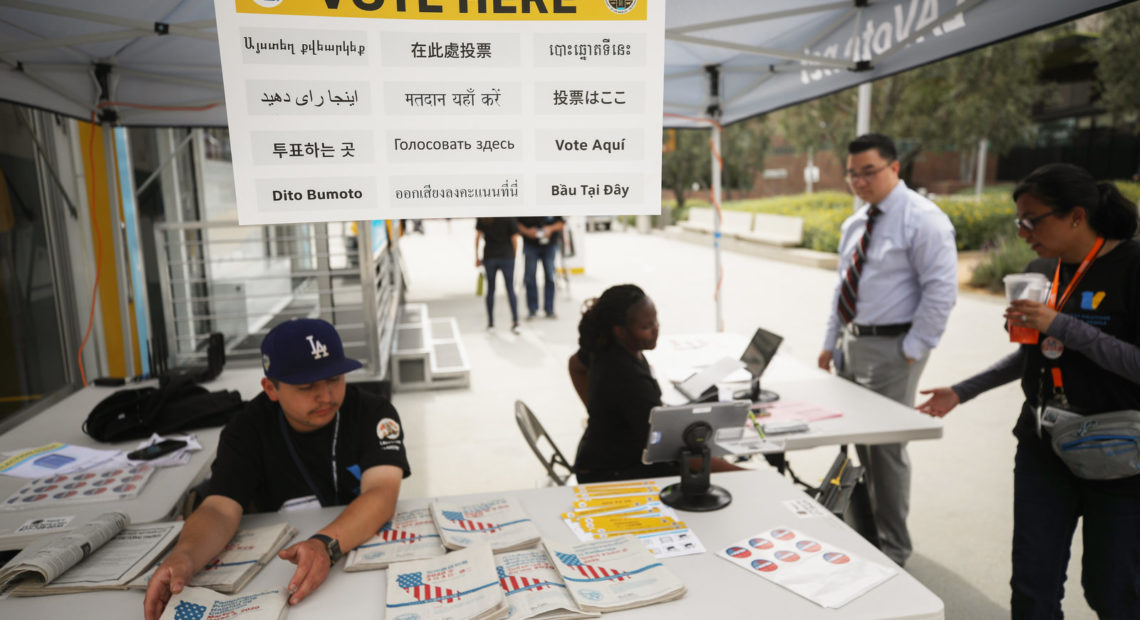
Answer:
(301, 466)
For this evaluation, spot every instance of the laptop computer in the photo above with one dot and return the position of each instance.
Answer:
(701, 386)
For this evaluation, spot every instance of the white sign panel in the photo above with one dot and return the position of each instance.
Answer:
(389, 109)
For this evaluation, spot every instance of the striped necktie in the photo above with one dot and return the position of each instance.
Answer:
(850, 291)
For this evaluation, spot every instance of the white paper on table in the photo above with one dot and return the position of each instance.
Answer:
(178, 457)
(816, 570)
(53, 458)
(709, 376)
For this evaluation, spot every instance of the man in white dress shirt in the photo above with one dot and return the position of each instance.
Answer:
(898, 280)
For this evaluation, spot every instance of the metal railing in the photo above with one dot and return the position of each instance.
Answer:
(243, 280)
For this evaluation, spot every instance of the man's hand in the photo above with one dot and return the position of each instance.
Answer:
(312, 560)
(169, 579)
(824, 361)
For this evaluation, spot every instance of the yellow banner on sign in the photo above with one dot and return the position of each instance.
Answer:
(469, 10)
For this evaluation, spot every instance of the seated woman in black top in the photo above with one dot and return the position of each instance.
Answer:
(620, 389)
(611, 375)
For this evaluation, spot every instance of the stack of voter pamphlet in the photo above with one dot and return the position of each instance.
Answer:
(104, 554)
(612, 574)
(410, 535)
(497, 521)
(630, 507)
(241, 559)
(534, 588)
(816, 570)
(204, 604)
(458, 586)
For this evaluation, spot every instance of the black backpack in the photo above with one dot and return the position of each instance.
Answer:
(178, 405)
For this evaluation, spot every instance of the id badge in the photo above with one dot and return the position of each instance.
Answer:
(1051, 414)
(308, 502)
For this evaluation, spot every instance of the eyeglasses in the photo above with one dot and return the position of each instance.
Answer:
(1028, 223)
(853, 176)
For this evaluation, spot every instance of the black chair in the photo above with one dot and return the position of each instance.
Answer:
(557, 468)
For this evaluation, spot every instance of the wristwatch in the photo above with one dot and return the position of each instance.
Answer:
(331, 546)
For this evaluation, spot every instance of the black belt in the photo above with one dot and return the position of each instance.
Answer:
(878, 330)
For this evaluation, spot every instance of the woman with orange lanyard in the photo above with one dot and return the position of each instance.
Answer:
(1087, 361)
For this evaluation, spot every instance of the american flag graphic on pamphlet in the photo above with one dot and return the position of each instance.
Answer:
(462, 585)
(534, 587)
(613, 573)
(410, 535)
(497, 521)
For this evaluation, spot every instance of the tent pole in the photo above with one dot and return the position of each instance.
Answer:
(862, 122)
(714, 113)
(716, 189)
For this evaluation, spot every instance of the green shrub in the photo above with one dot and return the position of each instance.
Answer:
(979, 222)
(1010, 254)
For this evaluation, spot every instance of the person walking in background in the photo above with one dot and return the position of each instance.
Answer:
(1087, 361)
(898, 280)
(501, 242)
(541, 237)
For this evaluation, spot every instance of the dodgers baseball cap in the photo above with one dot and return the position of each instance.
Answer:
(302, 351)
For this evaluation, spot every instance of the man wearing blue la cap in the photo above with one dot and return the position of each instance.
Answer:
(309, 439)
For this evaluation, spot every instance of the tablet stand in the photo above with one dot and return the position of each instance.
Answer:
(695, 493)
(755, 394)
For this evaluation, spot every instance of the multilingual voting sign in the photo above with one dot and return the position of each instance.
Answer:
(387, 109)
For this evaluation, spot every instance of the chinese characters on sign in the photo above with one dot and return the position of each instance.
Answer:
(442, 108)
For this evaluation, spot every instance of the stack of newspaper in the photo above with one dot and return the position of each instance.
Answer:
(410, 535)
(203, 603)
(104, 554)
(241, 559)
(496, 521)
(458, 586)
(533, 587)
(614, 573)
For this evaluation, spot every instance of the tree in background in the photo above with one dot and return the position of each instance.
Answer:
(686, 163)
(951, 104)
(743, 146)
(1117, 53)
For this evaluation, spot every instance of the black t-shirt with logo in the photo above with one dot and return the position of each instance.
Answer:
(1108, 298)
(254, 466)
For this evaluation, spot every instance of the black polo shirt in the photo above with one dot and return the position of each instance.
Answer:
(254, 466)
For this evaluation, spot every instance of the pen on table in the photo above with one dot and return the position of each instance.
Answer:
(756, 425)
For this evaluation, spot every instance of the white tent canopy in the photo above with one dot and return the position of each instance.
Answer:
(156, 63)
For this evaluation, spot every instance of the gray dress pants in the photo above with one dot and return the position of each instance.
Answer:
(877, 363)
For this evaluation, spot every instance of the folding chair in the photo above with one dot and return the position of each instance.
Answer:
(533, 433)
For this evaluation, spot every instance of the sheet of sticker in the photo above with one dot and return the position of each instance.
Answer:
(630, 508)
(103, 485)
(817, 570)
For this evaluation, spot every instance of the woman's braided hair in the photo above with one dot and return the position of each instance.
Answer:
(601, 314)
